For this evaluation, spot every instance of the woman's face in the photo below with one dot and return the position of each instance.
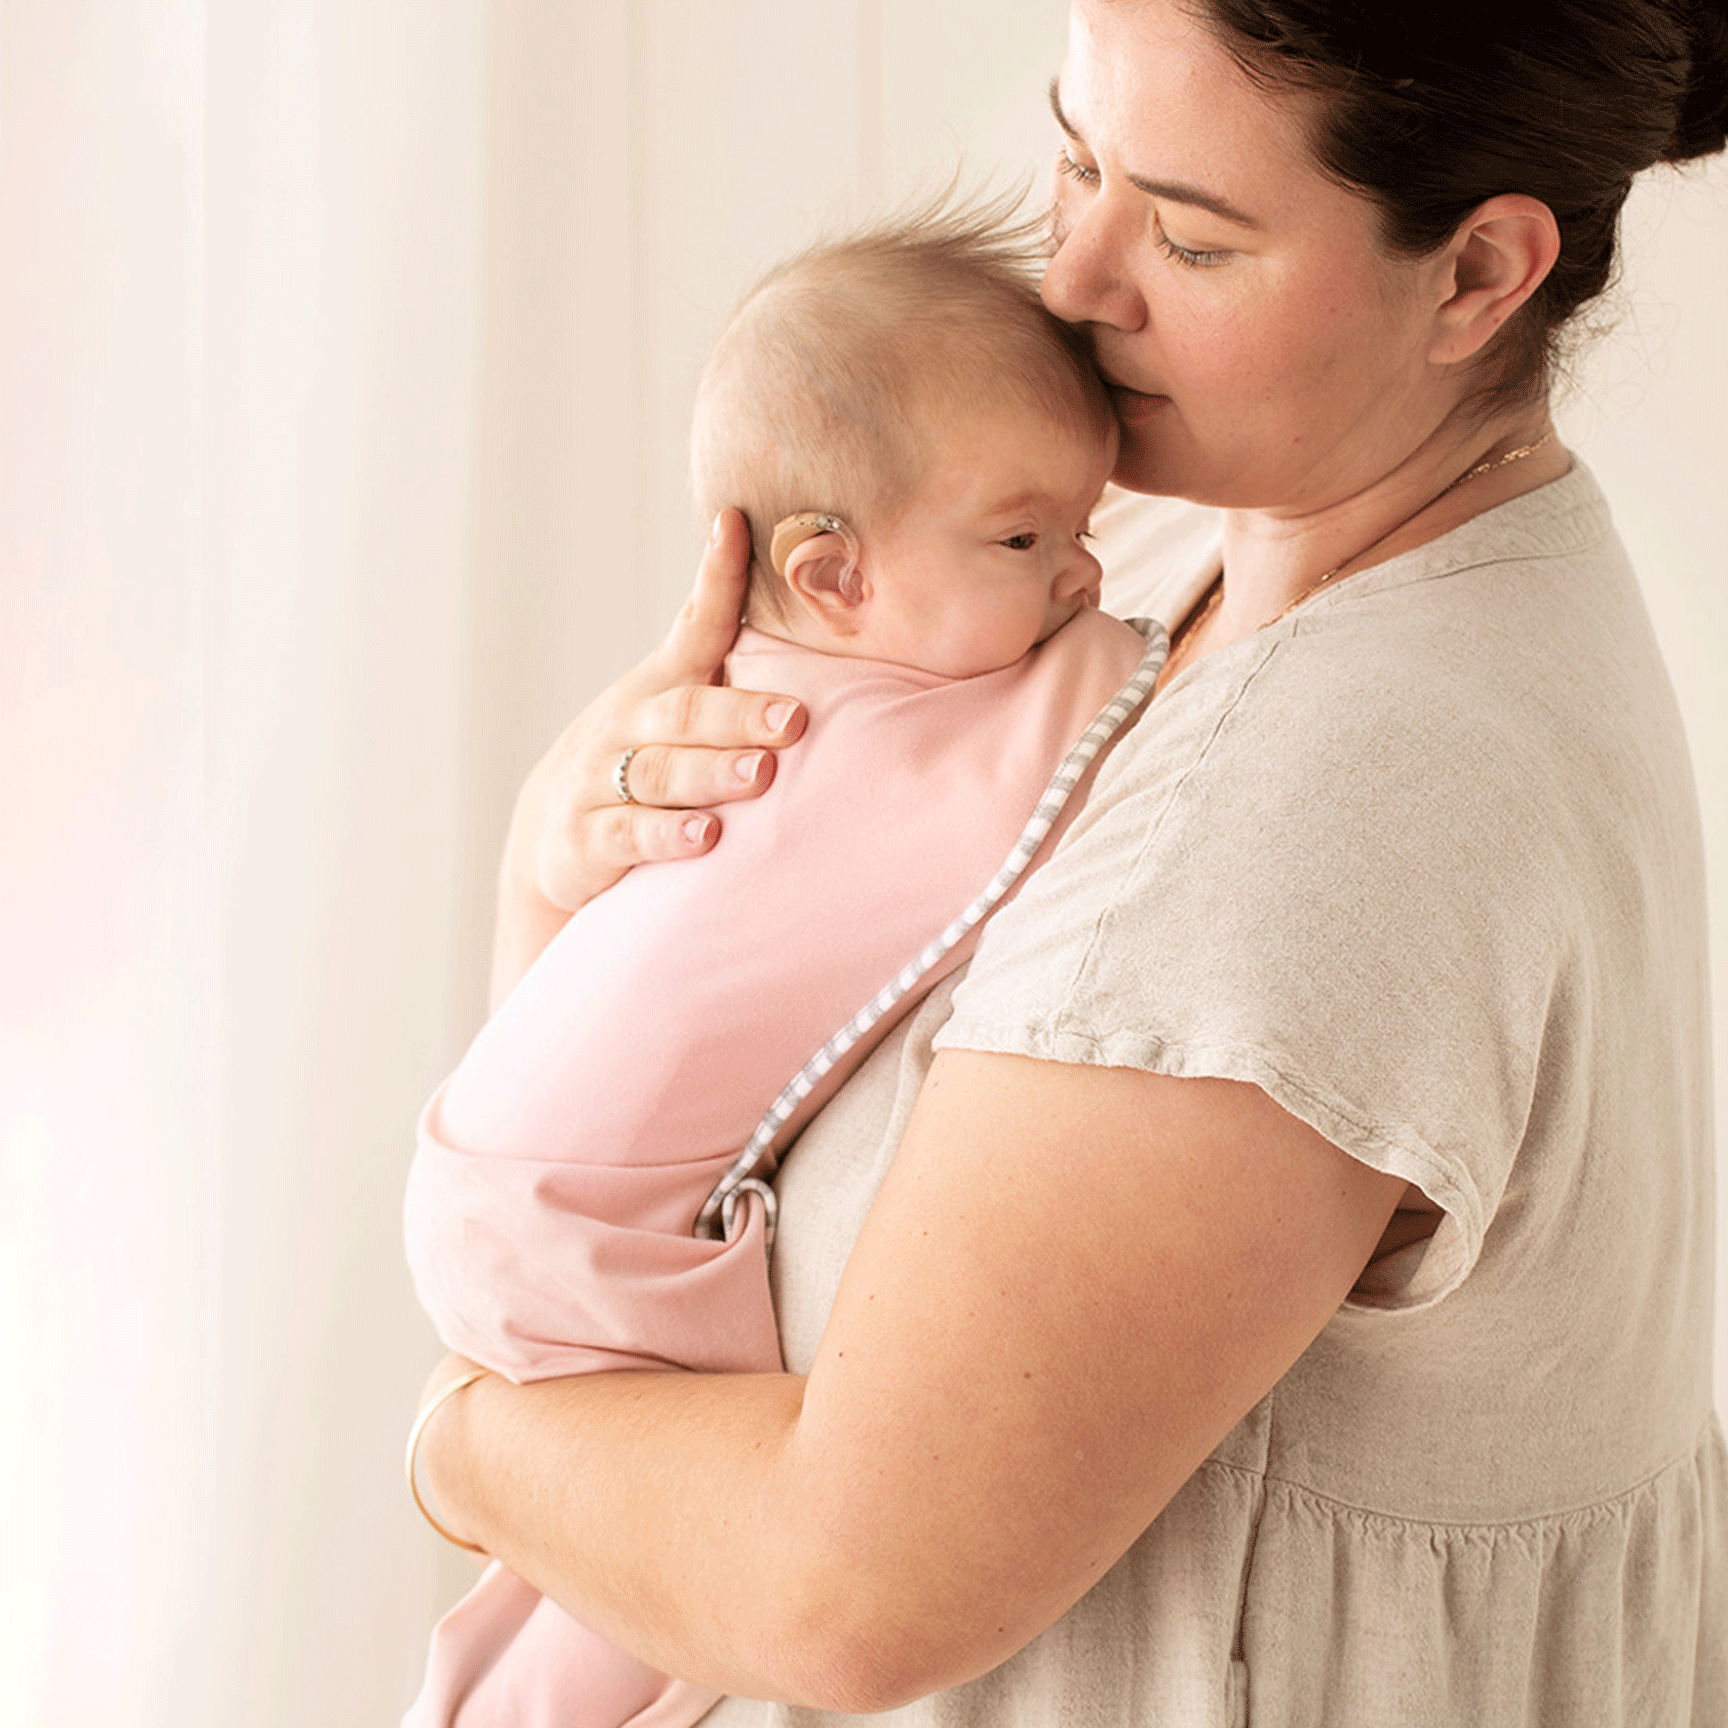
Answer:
(1265, 352)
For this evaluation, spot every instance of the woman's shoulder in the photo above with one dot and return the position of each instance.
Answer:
(1526, 621)
(1474, 723)
(1358, 858)
(1480, 722)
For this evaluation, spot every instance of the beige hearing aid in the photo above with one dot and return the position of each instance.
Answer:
(791, 531)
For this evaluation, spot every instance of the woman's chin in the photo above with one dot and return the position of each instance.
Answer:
(1140, 467)
(1149, 457)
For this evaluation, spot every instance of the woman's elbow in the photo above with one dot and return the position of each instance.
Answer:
(856, 1671)
(841, 1642)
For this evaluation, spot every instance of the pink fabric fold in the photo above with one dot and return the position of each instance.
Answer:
(553, 1197)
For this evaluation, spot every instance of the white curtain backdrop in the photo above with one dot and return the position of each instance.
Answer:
(346, 348)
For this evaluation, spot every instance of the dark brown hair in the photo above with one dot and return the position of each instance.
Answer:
(1431, 111)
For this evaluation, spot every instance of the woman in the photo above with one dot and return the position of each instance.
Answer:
(1289, 1296)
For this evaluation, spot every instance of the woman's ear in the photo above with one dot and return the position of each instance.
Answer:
(1494, 263)
(817, 554)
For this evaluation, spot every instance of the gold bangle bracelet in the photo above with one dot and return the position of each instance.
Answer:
(432, 1408)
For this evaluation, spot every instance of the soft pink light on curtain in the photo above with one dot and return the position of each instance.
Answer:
(238, 327)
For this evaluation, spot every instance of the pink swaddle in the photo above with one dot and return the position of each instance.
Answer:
(553, 1203)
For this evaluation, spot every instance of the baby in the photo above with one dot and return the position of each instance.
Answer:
(918, 446)
(909, 383)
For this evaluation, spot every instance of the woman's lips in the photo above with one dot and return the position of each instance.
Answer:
(1133, 404)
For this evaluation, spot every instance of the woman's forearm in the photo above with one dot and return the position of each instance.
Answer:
(1007, 1393)
(654, 1507)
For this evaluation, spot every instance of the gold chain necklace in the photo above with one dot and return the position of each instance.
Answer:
(1196, 620)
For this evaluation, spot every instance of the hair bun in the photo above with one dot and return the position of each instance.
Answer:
(1703, 119)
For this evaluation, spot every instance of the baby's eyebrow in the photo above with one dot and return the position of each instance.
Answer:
(1016, 502)
(1174, 191)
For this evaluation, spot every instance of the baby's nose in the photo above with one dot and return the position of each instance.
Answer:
(1082, 575)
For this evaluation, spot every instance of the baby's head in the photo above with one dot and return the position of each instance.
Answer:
(917, 444)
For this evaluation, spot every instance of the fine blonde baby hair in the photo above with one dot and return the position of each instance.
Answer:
(840, 368)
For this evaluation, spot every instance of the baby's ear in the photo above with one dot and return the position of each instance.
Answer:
(817, 555)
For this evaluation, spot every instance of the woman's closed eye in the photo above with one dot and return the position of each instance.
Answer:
(1084, 174)
(1190, 257)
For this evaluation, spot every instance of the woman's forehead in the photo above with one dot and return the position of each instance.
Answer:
(1146, 83)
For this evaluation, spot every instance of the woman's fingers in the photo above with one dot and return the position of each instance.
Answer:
(690, 749)
(632, 834)
(702, 633)
(685, 743)
(712, 716)
(680, 702)
(689, 779)
(601, 844)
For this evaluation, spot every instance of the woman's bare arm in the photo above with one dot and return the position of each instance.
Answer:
(697, 743)
(1073, 1284)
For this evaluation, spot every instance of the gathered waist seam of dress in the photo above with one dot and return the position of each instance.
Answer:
(1264, 1481)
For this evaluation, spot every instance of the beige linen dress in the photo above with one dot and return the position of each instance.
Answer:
(1422, 860)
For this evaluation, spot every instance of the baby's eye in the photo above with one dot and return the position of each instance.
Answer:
(1021, 542)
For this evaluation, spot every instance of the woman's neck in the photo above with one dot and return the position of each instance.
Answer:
(1275, 560)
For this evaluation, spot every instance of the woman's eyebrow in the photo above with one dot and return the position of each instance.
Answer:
(1175, 191)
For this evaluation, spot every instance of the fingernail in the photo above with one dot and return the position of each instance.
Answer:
(714, 532)
(696, 829)
(776, 714)
(747, 767)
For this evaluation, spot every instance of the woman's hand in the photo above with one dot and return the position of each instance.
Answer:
(696, 744)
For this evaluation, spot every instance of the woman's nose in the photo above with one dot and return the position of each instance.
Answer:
(1085, 281)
